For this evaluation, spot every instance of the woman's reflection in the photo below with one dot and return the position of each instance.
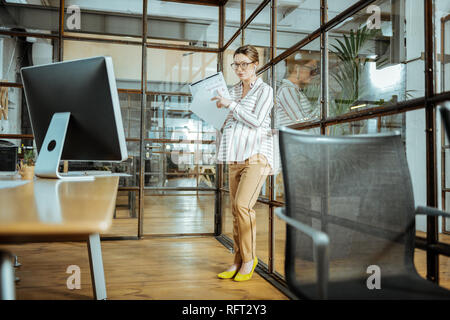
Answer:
(293, 105)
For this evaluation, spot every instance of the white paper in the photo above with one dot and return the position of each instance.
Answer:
(202, 92)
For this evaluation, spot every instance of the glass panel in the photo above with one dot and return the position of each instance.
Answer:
(180, 147)
(227, 216)
(250, 7)
(442, 43)
(298, 87)
(173, 71)
(444, 274)
(134, 40)
(278, 182)
(36, 18)
(295, 20)
(104, 17)
(335, 7)
(225, 176)
(442, 143)
(279, 187)
(232, 19)
(228, 73)
(125, 221)
(258, 34)
(280, 245)
(445, 236)
(420, 262)
(128, 75)
(197, 24)
(133, 7)
(14, 123)
(446, 221)
(130, 105)
(413, 137)
(16, 53)
(262, 231)
(178, 212)
(129, 166)
(369, 62)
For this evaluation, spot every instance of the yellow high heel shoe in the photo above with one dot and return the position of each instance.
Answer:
(248, 276)
(227, 274)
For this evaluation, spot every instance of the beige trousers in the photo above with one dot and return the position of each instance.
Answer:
(245, 181)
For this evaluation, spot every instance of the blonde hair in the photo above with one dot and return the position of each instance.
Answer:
(248, 50)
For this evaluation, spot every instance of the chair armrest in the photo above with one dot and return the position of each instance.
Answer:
(429, 211)
(320, 243)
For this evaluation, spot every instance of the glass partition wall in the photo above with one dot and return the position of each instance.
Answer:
(355, 67)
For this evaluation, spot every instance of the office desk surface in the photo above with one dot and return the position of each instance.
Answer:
(46, 207)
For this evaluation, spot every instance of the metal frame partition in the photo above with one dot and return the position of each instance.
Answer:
(144, 92)
(431, 243)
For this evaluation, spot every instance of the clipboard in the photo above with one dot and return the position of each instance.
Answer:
(202, 92)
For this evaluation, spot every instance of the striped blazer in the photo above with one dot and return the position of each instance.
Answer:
(247, 129)
(292, 105)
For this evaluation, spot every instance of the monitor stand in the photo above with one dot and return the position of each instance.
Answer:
(47, 163)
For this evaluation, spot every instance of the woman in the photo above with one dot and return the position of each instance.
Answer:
(246, 145)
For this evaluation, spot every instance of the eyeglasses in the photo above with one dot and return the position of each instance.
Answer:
(243, 65)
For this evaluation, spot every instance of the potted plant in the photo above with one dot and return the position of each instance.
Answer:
(26, 168)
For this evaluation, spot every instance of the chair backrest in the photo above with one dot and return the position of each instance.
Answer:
(358, 190)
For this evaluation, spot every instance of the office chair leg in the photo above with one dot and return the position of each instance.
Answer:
(7, 286)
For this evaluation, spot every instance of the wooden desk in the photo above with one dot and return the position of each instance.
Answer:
(53, 210)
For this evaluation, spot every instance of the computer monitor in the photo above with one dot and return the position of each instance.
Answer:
(75, 113)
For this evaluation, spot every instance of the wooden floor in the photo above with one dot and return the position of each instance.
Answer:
(165, 268)
(157, 268)
(175, 213)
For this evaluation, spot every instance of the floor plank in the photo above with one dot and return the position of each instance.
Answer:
(158, 268)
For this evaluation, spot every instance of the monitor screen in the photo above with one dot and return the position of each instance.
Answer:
(87, 89)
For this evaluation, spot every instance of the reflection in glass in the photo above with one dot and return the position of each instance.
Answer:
(41, 17)
(295, 20)
(128, 75)
(122, 18)
(173, 71)
(298, 92)
(229, 75)
(442, 42)
(232, 18)
(198, 24)
(179, 147)
(258, 34)
(370, 63)
(178, 212)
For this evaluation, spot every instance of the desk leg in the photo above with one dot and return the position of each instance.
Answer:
(7, 283)
(96, 264)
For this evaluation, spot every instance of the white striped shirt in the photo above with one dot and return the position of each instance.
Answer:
(247, 129)
(292, 105)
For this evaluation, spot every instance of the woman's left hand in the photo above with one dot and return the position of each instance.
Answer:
(221, 101)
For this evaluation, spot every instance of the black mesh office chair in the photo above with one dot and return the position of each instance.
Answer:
(350, 218)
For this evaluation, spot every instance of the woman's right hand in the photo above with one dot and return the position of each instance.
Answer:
(221, 101)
